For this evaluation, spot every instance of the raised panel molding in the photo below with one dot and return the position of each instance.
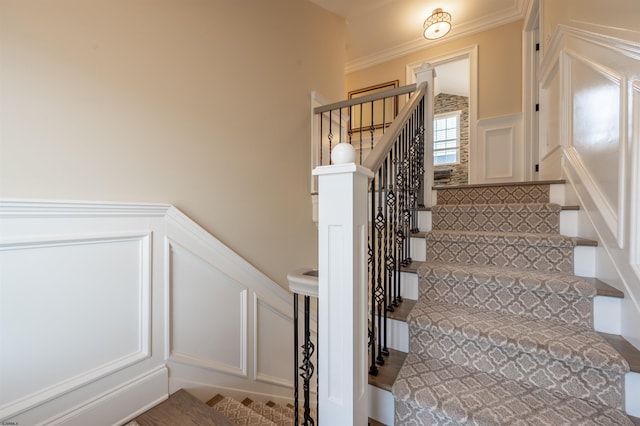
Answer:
(208, 314)
(596, 139)
(61, 292)
(500, 150)
(271, 364)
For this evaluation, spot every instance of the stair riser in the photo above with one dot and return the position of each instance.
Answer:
(632, 390)
(495, 195)
(570, 379)
(381, 405)
(568, 222)
(606, 310)
(551, 259)
(536, 218)
(563, 308)
(424, 221)
(583, 256)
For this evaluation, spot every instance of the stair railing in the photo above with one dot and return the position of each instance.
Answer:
(366, 214)
(396, 192)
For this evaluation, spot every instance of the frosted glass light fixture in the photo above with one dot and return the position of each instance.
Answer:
(437, 25)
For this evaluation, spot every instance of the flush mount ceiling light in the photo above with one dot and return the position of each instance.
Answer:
(437, 25)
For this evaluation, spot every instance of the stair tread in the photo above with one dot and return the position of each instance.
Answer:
(184, 409)
(388, 372)
(552, 340)
(401, 312)
(518, 238)
(604, 289)
(501, 184)
(626, 350)
(498, 276)
(564, 207)
(469, 396)
(586, 242)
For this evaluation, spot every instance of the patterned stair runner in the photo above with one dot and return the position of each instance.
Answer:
(502, 333)
(252, 413)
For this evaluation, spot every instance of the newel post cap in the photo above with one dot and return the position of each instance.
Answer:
(343, 153)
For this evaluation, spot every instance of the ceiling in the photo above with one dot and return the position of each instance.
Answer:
(380, 30)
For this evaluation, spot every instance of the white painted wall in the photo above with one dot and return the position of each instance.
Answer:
(99, 301)
(592, 84)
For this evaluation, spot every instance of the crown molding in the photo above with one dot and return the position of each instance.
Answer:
(516, 12)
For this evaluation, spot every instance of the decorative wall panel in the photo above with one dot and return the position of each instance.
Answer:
(272, 355)
(500, 150)
(596, 109)
(208, 314)
(72, 309)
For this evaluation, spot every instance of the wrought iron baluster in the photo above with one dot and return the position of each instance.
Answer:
(372, 128)
(295, 359)
(379, 225)
(382, 198)
(330, 135)
(307, 367)
(373, 369)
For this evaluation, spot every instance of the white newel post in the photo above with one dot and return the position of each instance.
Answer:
(342, 310)
(426, 73)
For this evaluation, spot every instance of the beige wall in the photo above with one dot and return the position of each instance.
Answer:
(199, 103)
(499, 68)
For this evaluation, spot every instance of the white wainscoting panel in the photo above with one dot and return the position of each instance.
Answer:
(77, 325)
(202, 299)
(62, 294)
(595, 111)
(600, 110)
(500, 153)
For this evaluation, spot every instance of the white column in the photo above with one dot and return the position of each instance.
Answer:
(342, 310)
(426, 74)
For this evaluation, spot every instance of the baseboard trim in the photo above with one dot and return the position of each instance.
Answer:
(122, 403)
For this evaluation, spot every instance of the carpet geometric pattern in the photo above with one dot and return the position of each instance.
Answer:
(429, 391)
(240, 414)
(543, 252)
(523, 218)
(507, 194)
(531, 294)
(502, 333)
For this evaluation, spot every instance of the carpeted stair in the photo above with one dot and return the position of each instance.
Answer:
(182, 408)
(502, 333)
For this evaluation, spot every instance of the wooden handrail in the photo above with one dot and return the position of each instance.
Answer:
(376, 157)
(364, 99)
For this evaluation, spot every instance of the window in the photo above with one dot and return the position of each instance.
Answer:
(446, 139)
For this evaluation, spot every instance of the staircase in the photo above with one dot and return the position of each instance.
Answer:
(502, 330)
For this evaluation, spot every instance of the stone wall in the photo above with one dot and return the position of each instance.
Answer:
(444, 103)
